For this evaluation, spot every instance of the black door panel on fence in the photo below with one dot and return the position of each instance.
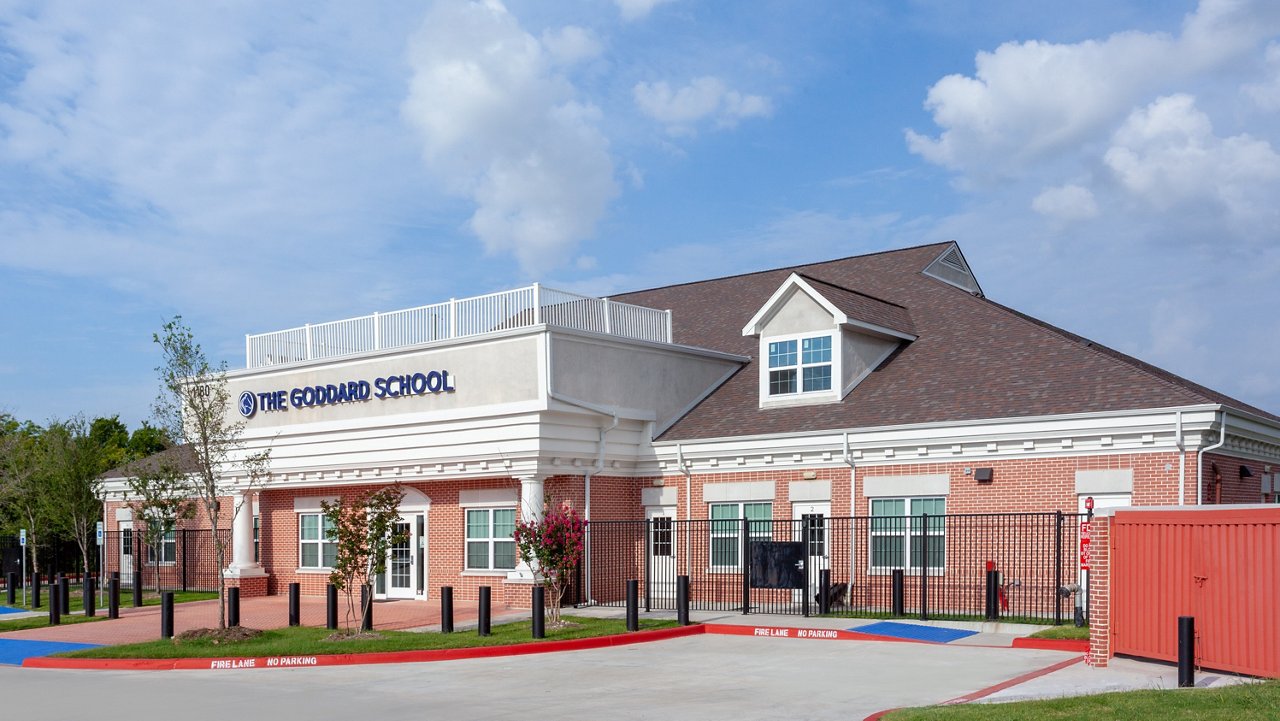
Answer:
(943, 560)
(187, 560)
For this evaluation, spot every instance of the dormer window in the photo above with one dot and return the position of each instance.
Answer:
(800, 365)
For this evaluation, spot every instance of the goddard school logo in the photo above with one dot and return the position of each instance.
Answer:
(248, 404)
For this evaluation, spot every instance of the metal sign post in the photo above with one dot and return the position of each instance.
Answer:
(22, 540)
(102, 566)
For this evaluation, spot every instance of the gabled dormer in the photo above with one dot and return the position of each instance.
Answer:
(818, 340)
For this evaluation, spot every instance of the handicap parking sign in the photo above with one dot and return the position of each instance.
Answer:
(22, 538)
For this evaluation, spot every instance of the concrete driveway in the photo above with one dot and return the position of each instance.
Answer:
(700, 677)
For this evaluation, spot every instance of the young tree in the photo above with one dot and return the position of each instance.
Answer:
(363, 529)
(159, 495)
(19, 481)
(70, 460)
(553, 547)
(194, 408)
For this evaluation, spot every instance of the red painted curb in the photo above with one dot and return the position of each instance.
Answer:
(353, 659)
(1052, 644)
(808, 634)
(982, 693)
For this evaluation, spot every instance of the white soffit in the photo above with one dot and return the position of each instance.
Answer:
(935, 484)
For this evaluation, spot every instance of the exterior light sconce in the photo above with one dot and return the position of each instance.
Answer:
(982, 475)
(1245, 472)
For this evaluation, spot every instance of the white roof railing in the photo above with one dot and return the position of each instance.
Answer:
(458, 318)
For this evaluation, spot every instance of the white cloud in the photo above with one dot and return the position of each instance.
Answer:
(1030, 99)
(503, 128)
(1266, 94)
(571, 44)
(1066, 203)
(706, 97)
(1167, 155)
(636, 9)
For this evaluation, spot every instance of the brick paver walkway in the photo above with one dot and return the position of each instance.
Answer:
(143, 624)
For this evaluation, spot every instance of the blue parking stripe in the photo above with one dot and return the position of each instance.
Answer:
(12, 652)
(8, 609)
(913, 631)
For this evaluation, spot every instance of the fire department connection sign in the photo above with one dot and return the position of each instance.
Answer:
(1086, 544)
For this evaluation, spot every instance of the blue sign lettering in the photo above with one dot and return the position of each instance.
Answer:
(353, 391)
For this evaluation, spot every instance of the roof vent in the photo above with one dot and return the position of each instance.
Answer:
(953, 259)
(951, 268)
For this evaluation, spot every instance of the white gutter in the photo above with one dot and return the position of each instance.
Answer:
(586, 511)
(1222, 440)
(853, 498)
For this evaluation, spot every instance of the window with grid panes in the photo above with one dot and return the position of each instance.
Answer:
(800, 365)
(490, 539)
(315, 547)
(726, 522)
(899, 538)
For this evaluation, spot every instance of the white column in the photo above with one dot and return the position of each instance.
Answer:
(242, 563)
(531, 503)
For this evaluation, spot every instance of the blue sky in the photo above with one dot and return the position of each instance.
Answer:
(1110, 167)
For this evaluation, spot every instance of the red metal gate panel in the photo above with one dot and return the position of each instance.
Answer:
(1220, 566)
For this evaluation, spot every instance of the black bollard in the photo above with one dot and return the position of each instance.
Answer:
(446, 609)
(64, 592)
(633, 605)
(366, 605)
(55, 609)
(331, 607)
(35, 590)
(90, 599)
(1186, 651)
(898, 595)
(824, 591)
(233, 607)
(482, 625)
(539, 612)
(295, 604)
(137, 589)
(12, 579)
(166, 614)
(993, 598)
(682, 600)
(113, 598)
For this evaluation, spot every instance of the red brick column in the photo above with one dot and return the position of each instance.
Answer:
(1100, 593)
(250, 586)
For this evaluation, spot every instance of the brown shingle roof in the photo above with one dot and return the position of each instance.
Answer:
(178, 458)
(973, 358)
(860, 306)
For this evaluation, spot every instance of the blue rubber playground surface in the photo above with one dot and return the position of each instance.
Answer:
(914, 632)
(12, 652)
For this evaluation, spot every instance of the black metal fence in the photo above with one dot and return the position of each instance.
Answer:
(942, 564)
(185, 560)
(61, 556)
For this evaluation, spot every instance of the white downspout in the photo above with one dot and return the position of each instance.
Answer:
(1222, 440)
(1182, 460)
(853, 499)
(586, 511)
(688, 500)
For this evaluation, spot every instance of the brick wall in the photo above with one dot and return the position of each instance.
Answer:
(1099, 653)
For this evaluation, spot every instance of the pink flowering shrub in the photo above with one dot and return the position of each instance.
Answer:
(553, 547)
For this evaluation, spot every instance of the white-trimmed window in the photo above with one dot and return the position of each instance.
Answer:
(900, 538)
(726, 524)
(316, 547)
(168, 549)
(799, 365)
(490, 539)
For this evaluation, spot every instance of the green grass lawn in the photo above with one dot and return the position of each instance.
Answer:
(1067, 632)
(149, 598)
(307, 641)
(1247, 702)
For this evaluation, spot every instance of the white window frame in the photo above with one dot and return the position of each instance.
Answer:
(906, 527)
(731, 528)
(319, 543)
(833, 392)
(490, 540)
(168, 549)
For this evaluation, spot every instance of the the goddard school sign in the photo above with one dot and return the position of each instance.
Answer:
(410, 384)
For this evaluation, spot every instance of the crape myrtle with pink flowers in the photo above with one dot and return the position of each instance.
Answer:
(553, 547)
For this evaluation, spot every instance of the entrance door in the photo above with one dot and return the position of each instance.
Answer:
(811, 527)
(126, 553)
(402, 560)
(662, 550)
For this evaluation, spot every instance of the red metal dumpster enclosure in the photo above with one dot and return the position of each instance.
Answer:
(1220, 566)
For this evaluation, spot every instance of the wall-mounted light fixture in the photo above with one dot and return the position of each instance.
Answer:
(982, 475)
(1245, 472)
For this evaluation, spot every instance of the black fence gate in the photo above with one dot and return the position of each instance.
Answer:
(184, 560)
(927, 567)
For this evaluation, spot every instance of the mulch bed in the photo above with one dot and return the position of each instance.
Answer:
(219, 635)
